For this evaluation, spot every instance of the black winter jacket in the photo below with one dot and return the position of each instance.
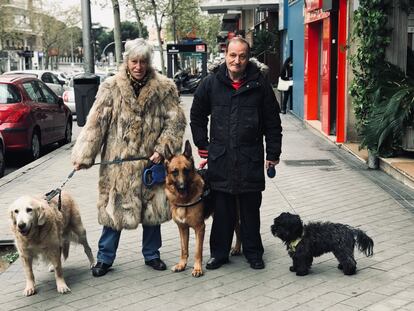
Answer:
(238, 121)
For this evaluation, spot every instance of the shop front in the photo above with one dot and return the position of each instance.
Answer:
(325, 65)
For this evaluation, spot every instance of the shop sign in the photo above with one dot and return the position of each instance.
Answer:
(315, 15)
(311, 5)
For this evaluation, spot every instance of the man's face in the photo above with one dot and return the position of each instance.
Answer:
(137, 67)
(237, 58)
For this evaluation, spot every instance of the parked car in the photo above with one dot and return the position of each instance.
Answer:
(2, 156)
(63, 77)
(69, 95)
(46, 76)
(31, 115)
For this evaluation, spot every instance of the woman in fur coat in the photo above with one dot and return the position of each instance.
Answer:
(136, 113)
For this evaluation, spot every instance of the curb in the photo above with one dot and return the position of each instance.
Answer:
(32, 165)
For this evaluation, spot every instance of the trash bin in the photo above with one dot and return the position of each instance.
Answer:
(85, 87)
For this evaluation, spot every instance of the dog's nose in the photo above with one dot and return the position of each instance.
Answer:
(21, 225)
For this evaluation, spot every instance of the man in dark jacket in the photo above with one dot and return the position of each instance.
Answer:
(242, 109)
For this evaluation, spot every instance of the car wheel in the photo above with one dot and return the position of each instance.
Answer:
(35, 147)
(68, 134)
(2, 161)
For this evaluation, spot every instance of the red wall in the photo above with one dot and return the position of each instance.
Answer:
(314, 16)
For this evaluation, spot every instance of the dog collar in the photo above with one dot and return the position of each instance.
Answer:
(294, 244)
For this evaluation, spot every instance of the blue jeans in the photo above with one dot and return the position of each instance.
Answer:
(108, 243)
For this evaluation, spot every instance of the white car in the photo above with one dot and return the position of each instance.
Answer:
(46, 76)
(62, 77)
(69, 95)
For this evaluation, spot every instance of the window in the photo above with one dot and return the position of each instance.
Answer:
(48, 95)
(54, 79)
(33, 91)
(9, 94)
(47, 78)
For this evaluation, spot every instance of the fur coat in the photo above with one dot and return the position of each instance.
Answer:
(120, 125)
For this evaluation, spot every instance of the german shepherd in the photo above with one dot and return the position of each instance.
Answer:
(184, 188)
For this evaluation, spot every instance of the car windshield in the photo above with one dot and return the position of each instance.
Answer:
(9, 94)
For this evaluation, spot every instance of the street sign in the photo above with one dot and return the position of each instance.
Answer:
(180, 48)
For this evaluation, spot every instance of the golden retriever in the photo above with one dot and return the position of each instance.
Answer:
(41, 230)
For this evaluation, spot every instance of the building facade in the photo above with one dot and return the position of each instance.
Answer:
(20, 41)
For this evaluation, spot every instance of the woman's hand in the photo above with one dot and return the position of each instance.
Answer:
(155, 158)
(79, 166)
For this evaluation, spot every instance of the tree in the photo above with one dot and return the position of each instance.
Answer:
(186, 18)
(138, 17)
(129, 30)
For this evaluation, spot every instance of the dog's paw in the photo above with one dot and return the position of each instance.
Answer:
(92, 264)
(178, 267)
(301, 273)
(197, 272)
(29, 291)
(63, 288)
(51, 268)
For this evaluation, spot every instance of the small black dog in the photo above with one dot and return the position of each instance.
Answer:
(304, 242)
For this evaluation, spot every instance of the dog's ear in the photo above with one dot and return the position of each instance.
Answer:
(188, 153)
(168, 155)
(12, 217)
(41, 215)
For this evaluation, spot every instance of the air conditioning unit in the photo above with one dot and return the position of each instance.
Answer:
(408, 139)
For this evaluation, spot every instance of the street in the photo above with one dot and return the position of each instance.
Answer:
(15, 161)
(315, 179)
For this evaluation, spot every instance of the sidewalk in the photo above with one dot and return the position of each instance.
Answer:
(333, 186)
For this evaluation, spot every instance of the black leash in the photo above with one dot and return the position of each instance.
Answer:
(58, 191)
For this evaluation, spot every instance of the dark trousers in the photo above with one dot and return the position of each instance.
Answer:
(224, 219)
(286, 95)
(109, 241)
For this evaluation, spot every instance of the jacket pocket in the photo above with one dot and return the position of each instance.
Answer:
(217, 168)
(252, 164)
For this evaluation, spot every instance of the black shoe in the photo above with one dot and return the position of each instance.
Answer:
(100, 269)
(214, 263)
(257, 264)
(156, 264)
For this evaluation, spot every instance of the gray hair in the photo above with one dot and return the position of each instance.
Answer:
(138, 48)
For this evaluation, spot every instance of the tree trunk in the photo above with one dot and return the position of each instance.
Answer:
(154, 7)
(117, 32)
(134, 6)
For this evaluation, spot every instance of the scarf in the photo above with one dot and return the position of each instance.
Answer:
(137, 85)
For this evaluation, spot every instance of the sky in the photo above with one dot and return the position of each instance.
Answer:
(104, 16)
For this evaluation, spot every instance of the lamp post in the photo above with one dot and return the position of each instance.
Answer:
(86, 36)
(107, 46)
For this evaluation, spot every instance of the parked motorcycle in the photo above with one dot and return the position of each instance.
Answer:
(186, 83)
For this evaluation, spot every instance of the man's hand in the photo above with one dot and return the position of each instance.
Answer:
(202, 163)
(155, 158)
(271, 163)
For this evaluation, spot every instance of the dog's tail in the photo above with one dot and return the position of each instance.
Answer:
(364, 242)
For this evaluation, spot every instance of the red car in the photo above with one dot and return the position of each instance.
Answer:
(32, 115)
(2, 153)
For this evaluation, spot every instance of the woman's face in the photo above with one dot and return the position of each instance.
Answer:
(137, 67)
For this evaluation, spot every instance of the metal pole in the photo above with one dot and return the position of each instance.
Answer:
(88, 59)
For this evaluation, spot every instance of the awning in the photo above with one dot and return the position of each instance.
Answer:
(222, 6)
